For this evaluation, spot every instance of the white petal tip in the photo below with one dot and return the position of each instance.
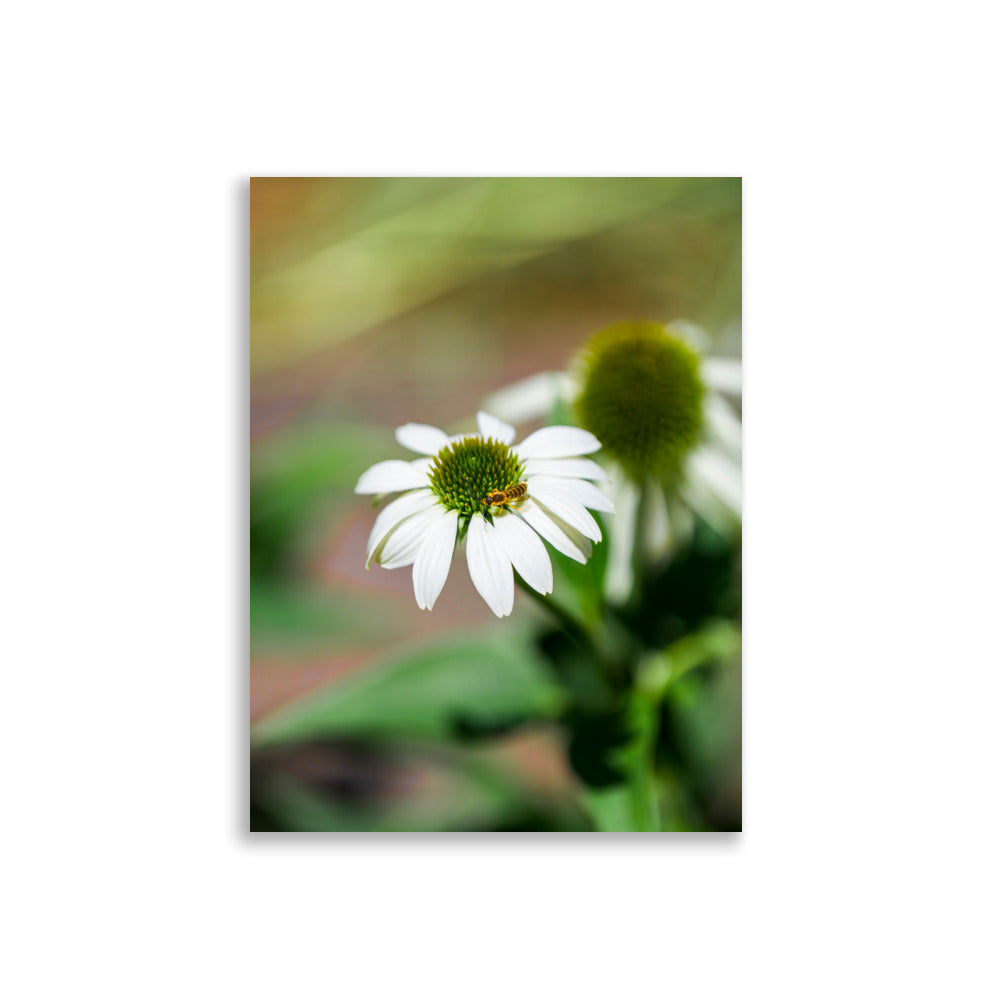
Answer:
(392, 476)
(421, 438)
(491, 427)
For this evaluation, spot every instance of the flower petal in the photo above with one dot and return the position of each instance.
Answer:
(558, 442)
(490, 427)
(723, 374)
(619, 576)
(489, 567)
(567, 509)
(717, 472)
(706, 505)
(421, 438)
(578, 468)
(391, 515)
(391, 477)
(681, 520)
(711, 490)
(723, 424)
(656, 529)
(430, 568)
(526, 551)
(404, 541)
(696, 336)
(559, 535)
(584, 493)
(532, 397)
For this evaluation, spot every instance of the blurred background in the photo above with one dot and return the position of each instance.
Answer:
(379, 301)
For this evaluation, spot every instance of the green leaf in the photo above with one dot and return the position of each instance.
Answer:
(427, 692)
(317, 457)
(717, 640)
(611, 808)
(300, 615)
(297, 475)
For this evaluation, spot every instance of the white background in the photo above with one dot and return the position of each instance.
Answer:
(865, 134)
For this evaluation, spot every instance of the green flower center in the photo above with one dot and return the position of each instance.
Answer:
(465, 472)
(642, 397)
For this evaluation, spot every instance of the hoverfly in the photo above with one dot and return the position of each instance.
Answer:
(500, 498)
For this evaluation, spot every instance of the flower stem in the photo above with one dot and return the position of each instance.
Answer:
(643, 714)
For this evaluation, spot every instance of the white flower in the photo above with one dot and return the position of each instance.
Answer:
(709, 479)
(448, 496)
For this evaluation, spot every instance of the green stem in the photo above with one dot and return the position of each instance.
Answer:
(654, 677)
(642, 810)
(644, 801)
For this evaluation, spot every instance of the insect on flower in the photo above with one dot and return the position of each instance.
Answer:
(502, 499)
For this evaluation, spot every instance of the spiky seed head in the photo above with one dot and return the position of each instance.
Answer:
(465, 471)
(642, 396)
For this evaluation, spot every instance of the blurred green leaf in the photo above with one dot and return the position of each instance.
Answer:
(703, 710)
(300, 614)
(426, 691)
(318, 456)
(297, 474)
(611, 808)
(700, 583)
(717, 639)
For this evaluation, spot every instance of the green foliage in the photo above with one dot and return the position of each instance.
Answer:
(294, 476)
(299, 615)
(701, 582)
(437, 690)
(645, 738)
(396, 747)
(652, 745)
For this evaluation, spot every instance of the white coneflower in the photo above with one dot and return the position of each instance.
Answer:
(659, 410)
(470, 488)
